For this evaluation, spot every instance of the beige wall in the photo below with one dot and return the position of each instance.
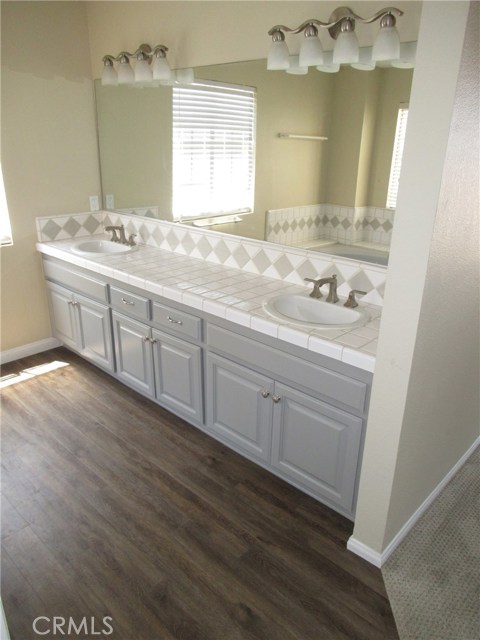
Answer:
(135, 141)
(365, 106)
(424, 406)
(49, 149)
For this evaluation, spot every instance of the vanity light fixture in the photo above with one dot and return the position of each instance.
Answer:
(341, 27)
(151, 65)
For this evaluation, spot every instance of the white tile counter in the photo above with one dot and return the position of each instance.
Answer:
(227, 293)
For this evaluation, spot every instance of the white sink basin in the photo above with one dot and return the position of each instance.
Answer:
(99, 248)
(303, 310)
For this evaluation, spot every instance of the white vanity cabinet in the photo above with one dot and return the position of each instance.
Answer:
(146, 344)
(300, 430)
(134, 353)
(239, 407)
(82, 324)
(160, 366)
(298, 414)
(316, 445)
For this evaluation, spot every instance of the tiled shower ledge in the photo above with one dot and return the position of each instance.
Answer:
(227, 293)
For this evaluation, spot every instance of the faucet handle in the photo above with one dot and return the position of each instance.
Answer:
(316, 293)
(131, 239)
(351, 301)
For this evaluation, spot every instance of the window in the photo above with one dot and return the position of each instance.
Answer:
(5, 228)
(213, 150)
(397, 156)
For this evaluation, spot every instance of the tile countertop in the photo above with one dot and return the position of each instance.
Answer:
(227, 293)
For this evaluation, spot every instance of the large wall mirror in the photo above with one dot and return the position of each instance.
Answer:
(309, 192)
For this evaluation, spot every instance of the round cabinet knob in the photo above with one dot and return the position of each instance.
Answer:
(146, 338)
(265, 393)
(276, 399)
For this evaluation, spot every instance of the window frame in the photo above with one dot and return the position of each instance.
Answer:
(397, 156)
(6, 237)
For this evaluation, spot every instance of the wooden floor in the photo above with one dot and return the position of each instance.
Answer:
(113, 507)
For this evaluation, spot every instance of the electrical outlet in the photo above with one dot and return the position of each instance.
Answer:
(94, 205)
(109, 201)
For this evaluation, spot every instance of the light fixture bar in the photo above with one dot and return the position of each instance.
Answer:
(143, 73)
(341, 27)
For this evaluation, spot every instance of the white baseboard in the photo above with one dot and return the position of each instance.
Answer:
(379, 559)
(28, 350)
(367, 553)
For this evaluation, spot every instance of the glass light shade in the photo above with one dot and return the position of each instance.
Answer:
(278, 56)
(365, 62)
(161, 69)
(143, 73)
(109, 75)
(125, 73)
(185, 76)
(386, 45)
(328, 66)
(311, 52)
(407, 56)
(294, 67)
(346, 48)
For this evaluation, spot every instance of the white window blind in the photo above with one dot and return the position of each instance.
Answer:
(397, 156)
(213, 150)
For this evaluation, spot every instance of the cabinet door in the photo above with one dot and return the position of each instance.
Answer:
(178, 375)
(239, 408)
(133, 353)
(62, 315)
(316, 445)
(94, 332)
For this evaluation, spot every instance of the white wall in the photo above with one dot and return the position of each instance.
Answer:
(424, 410)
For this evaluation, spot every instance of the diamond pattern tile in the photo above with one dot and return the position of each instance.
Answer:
(283, 267)
(253, 257)
(72, 227)
(221, 251)
(241, 256)
(261, 262)
(91, 224)
(51, 230)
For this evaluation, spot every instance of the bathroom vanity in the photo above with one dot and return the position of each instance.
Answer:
(296, 412)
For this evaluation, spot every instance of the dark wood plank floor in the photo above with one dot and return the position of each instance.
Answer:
(113, 507)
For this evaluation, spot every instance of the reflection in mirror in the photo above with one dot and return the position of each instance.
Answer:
(329, 195)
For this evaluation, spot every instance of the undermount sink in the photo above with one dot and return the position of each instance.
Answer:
(304, 310)
(100, 248)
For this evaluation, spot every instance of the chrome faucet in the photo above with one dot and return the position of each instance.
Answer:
(332, 292)
(122, 239)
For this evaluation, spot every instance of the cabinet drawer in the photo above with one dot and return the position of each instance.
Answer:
(176, 321)
(130, 303)
(74, 280)
(312, 377)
